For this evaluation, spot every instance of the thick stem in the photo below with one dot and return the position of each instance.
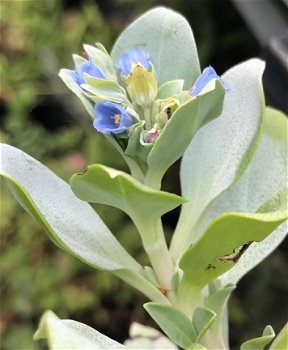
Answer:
(139, 282)
(155, 245)
(188, 297)
(147, 116)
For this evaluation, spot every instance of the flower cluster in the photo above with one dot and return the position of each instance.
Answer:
(124, 96)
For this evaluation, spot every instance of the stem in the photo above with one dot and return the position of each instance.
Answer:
(139, 282)
(155, 245)
(188, 297)
(147, 116)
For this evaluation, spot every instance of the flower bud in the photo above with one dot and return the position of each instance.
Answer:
(142, 87)
(87, 67)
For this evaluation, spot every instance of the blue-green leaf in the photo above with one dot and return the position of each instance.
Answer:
(174, 323)
(69, 334)
(70, 223)
(261, 342)
(224, 241)
(265, 181)
(168, 38)
(220, 151)
(170, 89)
(101, 184)
(202, 320)
(180, 129)
(67, 76)
(281, 341)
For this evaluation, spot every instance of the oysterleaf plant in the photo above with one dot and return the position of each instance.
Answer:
(153, 104)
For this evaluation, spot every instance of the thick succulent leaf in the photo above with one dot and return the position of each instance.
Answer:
(281, 341)
(105, 89)
(69, 334)
(202, 320)
(101, 184)
(70, 223)
(102, 59)
(180, 129)
(218, 301)
(67, 76)
(173, 322)
(265, 181)
(73, 224)
(223, 242)
(221, 150)
(169, 89)
(168, 38)
(261, 342)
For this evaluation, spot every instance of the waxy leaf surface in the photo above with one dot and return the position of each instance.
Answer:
(101, 184)
(220, 151)
(180, 129)
(167, 37)
(69, 334)
(223, 242)
(70, 223)
(264, 182)
(261, 342)
(173, 322)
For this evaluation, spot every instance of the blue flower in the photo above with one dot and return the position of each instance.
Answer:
(207, 75)
(129, 60)
(111, 118)
(87, 67)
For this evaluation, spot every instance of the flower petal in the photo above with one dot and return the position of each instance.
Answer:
(204, 79)
(132, 58)
(87, 67)
(111, 118)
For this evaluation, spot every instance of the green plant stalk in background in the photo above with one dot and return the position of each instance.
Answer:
(151, 102)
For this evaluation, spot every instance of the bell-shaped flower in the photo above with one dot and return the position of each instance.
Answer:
(204, 79)
(112, 118)
(129, 60)
(87, 67)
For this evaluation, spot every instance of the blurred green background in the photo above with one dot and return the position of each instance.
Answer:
(40, 116)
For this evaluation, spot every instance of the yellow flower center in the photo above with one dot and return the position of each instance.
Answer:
(117, 118)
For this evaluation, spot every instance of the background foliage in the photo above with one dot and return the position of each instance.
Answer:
(41, 117)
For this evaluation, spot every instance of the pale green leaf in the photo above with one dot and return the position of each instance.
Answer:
(261, 342)
(168, 38)
(220, 151)
(281, 341)
(202, 320)
(67, 76)
(223, 242)
(105, 89)
(101, 184)
(218, 301)
(101, 59)
(145, 206)
(173, 322)
(70, 223)
(265, 181)
(169, 89)
(180, 129)
(78, 60)
(69, 334)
